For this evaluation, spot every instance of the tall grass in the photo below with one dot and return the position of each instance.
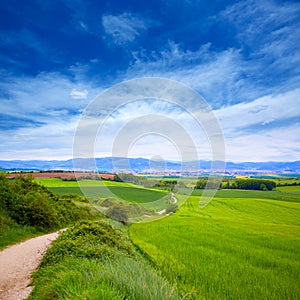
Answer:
(235, 248)
(13, 233)
(97, 261)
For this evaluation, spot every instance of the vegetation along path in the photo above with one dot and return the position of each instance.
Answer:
(17, 262)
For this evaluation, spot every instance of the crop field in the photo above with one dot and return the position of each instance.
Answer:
(97, 189)
(288, 196)
(289, 189)
(243, 245)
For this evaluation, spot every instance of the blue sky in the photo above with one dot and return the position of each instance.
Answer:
(243, 57)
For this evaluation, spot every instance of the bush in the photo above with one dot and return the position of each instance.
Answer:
(253, 184)
(96, 240)
(171, 208)
(107, 202)
(118, 212)
(31, 204)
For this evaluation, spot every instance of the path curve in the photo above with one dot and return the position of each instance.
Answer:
(17, 262)
(164, 210)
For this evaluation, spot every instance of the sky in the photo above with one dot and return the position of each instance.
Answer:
(242, 57)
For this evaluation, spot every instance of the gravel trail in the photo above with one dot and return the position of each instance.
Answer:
(17, 262)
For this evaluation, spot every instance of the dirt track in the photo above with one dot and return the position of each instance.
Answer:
(17, 262)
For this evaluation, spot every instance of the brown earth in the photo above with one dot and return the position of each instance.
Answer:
(63, 175)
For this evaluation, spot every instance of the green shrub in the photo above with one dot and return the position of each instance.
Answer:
(31, 204)
(107, 202)
(97, 240)
(98, 261)
(172, 207)
(118, 212)
(74, 197)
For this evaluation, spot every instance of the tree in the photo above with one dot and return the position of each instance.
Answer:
(263, 187)
(118, 212)
(171, 208)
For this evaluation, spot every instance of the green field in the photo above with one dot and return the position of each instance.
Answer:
(289, 189)
(243, 245)
(102, 189)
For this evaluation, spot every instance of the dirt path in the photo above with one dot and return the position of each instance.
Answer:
(164, 210)
(17, 262)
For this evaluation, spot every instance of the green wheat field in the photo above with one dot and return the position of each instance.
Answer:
(243, 245)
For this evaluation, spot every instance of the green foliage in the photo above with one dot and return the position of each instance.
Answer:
(69, 179)
(97, 261)
(130, 178)
(87, 240)
(30, 204)
(200, 184)
(172, 207)
(74, 197)
(166, 184)
(117, 178)
(122, 211)
(107, 202)
(11, 232)
(136, 200)
(253, 184)
(118, 212)
(205, 184)
(146, 181)
(250, 184)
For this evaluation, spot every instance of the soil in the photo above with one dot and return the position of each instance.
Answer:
(17, 262)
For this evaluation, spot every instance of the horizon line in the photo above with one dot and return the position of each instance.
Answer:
(173, 161)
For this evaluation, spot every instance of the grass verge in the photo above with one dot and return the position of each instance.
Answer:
(95, 260)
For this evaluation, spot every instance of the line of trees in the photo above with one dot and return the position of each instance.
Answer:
(243, 184)
(203, 183)
(251, 184)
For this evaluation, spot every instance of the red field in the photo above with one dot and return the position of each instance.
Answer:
(63, 175)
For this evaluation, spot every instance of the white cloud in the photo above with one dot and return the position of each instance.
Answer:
(272, 31)
(217, 76)
(42, 115)
(44, 96)
(262, 111)
(76, 94)
(123, 28)
(256, 17)
(267, 62)
(52, 140)
(46, 99)
(263, 129)
(278, 144)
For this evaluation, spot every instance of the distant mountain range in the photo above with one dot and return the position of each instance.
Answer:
(139, 165)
